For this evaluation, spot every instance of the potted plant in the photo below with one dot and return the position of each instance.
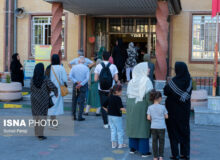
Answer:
(9, 91)
(8, 79)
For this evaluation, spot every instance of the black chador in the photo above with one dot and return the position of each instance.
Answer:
(178, 92)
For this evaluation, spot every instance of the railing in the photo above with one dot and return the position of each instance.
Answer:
(204, 83)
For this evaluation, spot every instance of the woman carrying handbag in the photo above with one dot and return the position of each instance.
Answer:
(58, 76)
(41, 87)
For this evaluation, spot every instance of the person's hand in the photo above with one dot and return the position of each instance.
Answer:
(105, 109)
(123, 109)
(21, 68)
(118, 82)
(78, 86)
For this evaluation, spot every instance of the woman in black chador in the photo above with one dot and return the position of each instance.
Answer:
(178, 92)
(16, 68)
(119, 57)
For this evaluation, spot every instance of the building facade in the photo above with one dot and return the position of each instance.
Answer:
(190, 30)
(34, 29)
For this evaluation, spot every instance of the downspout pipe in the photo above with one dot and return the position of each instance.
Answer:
(15, 26)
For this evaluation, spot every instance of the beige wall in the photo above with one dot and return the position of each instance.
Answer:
(38, 7)
(2, 35)
(181, 36)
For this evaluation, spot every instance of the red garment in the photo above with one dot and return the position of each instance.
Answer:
(215, 7)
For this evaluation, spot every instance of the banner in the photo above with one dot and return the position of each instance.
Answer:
(42, 54)
(29, 68)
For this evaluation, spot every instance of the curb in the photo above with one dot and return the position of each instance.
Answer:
(18, 106)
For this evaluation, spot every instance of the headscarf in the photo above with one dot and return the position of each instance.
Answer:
(14, 57)
(98, 61)
(100, 53)
(120, 43)
(140, 83)
(38, 77)
(15, 61)
(131, 47)
(181, 84)
(182, 77)
(55, 60)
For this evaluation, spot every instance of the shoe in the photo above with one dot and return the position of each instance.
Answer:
(149, 153)
(81, 119)
(114, 145)
(105, 126)
(132, 151)
(174, 158)
(122, 146)
(86, 114)
(74, 118)
(184, 157)
(97, 114)
(144, 155)
(42, 138)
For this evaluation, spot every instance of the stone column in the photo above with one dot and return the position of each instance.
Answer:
(56, 28)
(162, 29)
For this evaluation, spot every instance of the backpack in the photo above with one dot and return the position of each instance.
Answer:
(105, 77)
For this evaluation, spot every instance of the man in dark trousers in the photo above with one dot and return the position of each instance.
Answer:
(79, 75)
(104, 89)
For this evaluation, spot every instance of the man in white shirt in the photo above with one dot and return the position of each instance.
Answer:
(79, 75)
(89, 63)
(104, 93)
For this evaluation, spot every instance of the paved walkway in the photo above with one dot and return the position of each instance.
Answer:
(92, 142)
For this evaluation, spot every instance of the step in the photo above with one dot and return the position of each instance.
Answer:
(206, 116)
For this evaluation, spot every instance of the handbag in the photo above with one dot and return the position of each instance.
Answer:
(63, 89)
(51, 104)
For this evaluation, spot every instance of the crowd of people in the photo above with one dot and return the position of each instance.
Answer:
(99, 85)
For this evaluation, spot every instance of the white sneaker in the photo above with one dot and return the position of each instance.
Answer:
(122, 146)
(114, 145)
(106, 126)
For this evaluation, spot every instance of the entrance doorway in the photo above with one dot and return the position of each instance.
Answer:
(141, 31)
(140, 40)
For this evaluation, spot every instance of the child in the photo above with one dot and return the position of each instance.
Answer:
(114, 107)
(157, 114)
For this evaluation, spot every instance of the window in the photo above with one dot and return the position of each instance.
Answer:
(142, 25)
(128, 25)
(100, 25)
(203, 37)
(41, 32)
(115, 24)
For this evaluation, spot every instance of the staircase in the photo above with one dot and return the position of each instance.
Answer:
(68, 98)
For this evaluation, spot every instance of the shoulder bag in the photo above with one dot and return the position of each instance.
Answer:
(63, 89)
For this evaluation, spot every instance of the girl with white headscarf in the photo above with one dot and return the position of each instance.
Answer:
(137, 126)
(131, 60)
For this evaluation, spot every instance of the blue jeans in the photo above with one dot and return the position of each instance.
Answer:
(116, 126)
